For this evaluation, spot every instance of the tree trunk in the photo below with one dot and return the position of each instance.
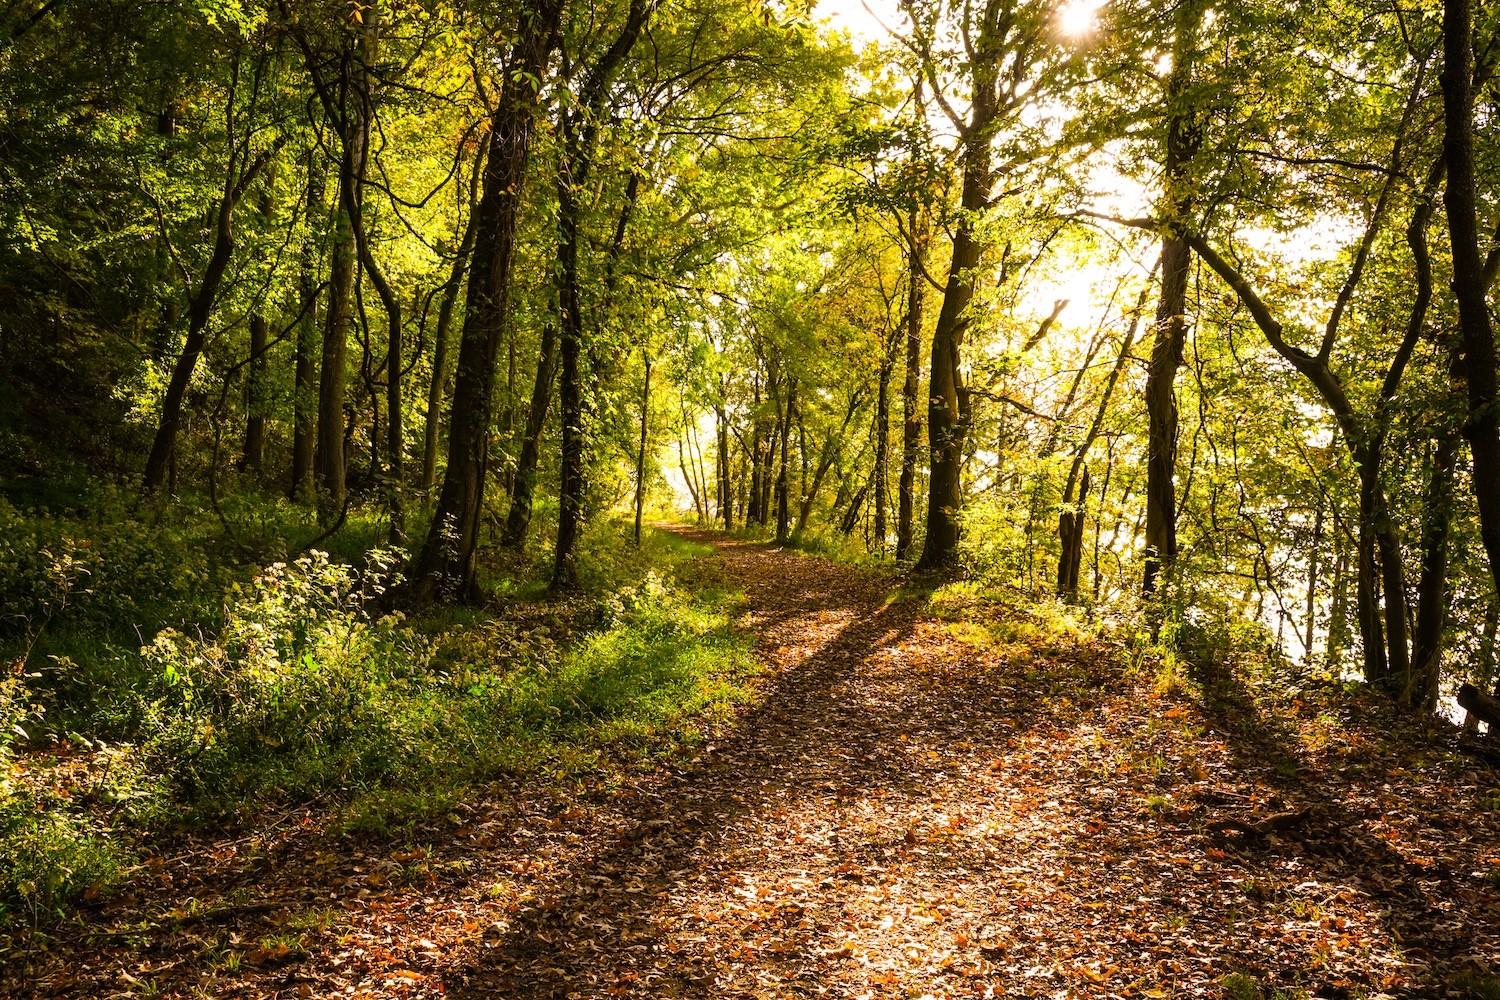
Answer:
(882, 448)
(1067, 583)
(766, 459)
(850, 520)
(688, 477)
(1338, 603)
(569, 392)
(1476, 335)
(753, 514)
(947, 404)
(200, 307)
(832, 447)
(783, 513)
(1161, 410)
(449, 555)
(997, 60)
(519, 517)
(395, 443)
(726, 478)
(1070, 535)
(1421, 688)
(1183, 139)
(579, 130)
(436, 390)
(911, 413)
(1485, 668)
(304, 398)
(640, 460)
(260, 336)
(255, 393)
(330, 465)
(1314, 566)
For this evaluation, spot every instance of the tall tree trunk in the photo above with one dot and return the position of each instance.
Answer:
(1000, 58)
(753, 510)
(1476, 335)
(1161, 409)
(830, 451)
(255, 393)
(695, 449)
(1070, 530)
(766, 459)
(442, 336)
(519, 518)
(330, 461)
(1485, 668)
(1393, 588)
(1421, 689)
(640, 460)
(304, 398)
(882, 447)
(911, 413)
(726, 469)
(580, 131)
(783, 487)
(260, 337)
(1338, 601)
(436, 390)
(449, 555)
(768, 473)
(850, 520)
(689, 477)
(1070, 533)
(1314, 568)
(570, 495)
(346, 103)
(947, 405)
(1183, 139)
(395, 443)
(200, 307)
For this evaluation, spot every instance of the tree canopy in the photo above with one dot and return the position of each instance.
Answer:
(1182, 290)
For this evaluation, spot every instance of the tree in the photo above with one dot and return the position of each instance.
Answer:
(1008, 49)
(1183, 138)
(246, 157)
(447, 557)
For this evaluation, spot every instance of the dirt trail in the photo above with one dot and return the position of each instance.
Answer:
(900, 815)
(786, 862)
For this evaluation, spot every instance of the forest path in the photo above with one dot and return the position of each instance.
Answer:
(840, 840)
(898, 814)
(903, 814)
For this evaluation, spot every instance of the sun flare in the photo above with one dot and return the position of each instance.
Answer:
(1078, 18)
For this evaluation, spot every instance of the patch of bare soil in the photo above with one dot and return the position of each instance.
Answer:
(900, 815)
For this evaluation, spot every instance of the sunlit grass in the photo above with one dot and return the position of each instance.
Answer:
(301, 693)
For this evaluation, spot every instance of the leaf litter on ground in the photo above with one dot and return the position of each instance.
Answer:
(903, 811)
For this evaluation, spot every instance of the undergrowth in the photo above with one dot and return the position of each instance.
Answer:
(288, 689)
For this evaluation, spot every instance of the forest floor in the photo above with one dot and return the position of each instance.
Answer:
(915, 805)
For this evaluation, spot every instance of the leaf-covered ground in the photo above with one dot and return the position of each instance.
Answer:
(900, 814)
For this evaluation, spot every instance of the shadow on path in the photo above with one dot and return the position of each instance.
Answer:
(741, 871)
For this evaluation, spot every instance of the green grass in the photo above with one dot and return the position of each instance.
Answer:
(638, 692)
(291, 691)
(50, 859)
(831, 544)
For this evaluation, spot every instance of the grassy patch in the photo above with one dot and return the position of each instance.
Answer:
(640, 688)
(295, 692)
(829, 543)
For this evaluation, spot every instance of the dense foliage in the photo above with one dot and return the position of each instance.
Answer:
(1177, 314)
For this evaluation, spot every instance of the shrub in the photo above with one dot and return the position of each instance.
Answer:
(107, 570)
(291, 695)
(50, 859)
